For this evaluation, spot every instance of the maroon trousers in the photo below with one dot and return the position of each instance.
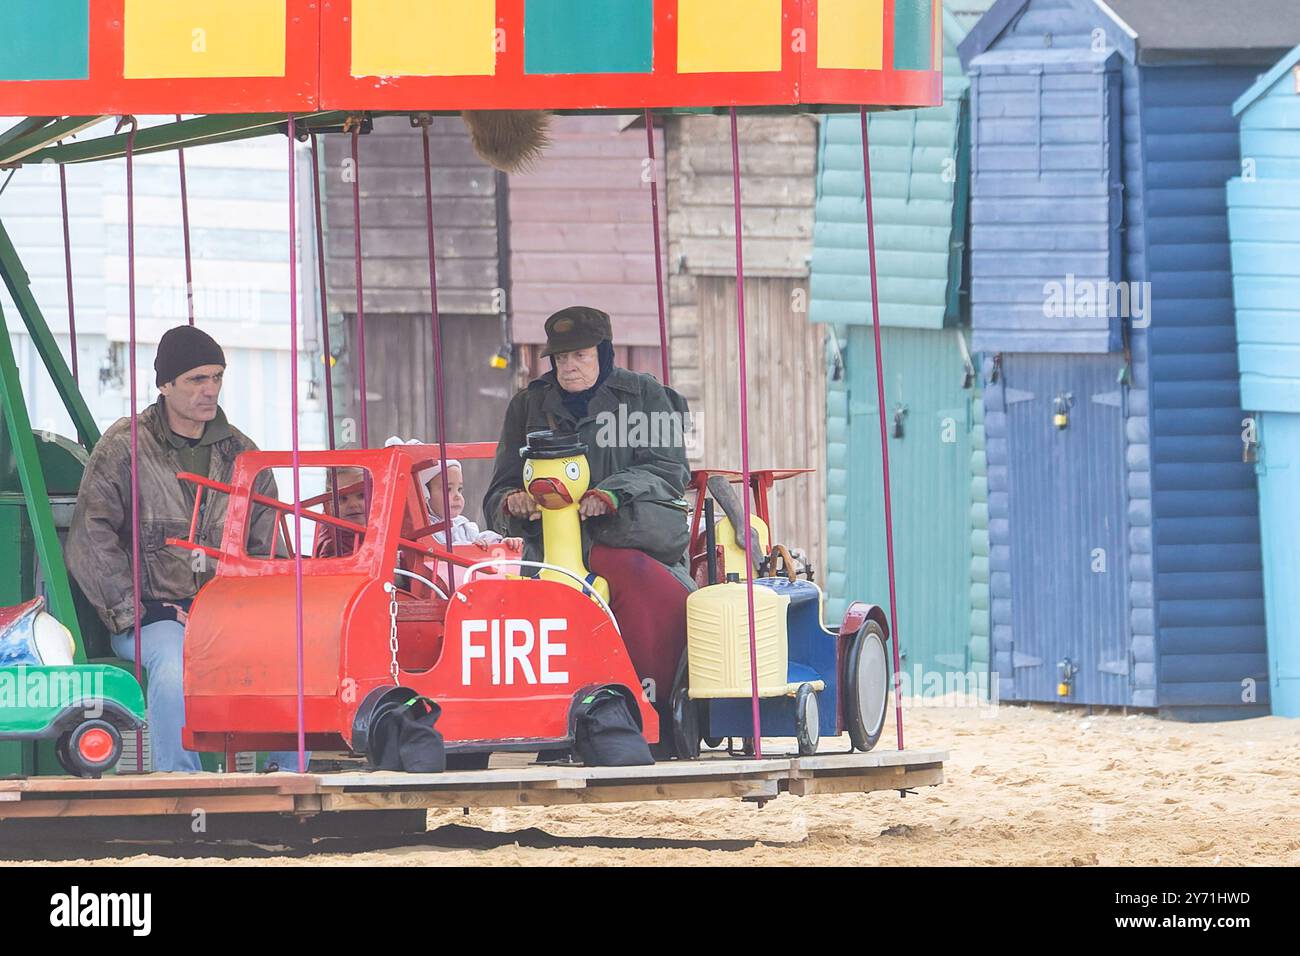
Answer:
(650, 605)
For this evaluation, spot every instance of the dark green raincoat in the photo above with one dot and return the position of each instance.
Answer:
(634, 430)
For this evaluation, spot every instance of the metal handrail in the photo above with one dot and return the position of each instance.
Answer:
(423, 580)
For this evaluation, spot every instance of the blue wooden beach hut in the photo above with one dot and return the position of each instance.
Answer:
(1125, 562)
(1264, 222)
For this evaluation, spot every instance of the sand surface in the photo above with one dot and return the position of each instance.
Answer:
(1025, 785)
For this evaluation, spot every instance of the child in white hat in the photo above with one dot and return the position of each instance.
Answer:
(463, 531)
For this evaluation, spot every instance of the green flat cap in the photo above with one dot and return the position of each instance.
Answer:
(577, 327)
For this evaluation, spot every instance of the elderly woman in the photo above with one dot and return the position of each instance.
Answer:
(634, 515)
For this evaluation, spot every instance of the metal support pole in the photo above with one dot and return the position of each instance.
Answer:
(67, 269)
(136, 583)
(884, 433)
(744, 434)
(293, 403)
(324, 295)
(439, 381)
(361, 306)
(185, 232)
(659, 255)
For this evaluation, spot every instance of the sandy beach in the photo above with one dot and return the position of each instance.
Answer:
(1025, 786)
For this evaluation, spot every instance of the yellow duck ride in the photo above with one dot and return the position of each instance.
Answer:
(557, 475)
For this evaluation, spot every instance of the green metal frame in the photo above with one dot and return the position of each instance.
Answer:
(35, 133)
(39, 512)
(183, 134)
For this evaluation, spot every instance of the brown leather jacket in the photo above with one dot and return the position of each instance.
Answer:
(98, 551)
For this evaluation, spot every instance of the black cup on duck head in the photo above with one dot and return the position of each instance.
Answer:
(549, 444)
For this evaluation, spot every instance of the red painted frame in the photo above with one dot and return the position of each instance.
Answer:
(107, 92)
(511, 88)
(799, 82)
(318, 76)
(853, 88)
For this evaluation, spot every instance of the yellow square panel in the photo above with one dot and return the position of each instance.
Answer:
(729, 36)
(175, 39)
(423, 37)
(851, 34)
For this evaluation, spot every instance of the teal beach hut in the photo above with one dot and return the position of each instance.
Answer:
(1264, 224)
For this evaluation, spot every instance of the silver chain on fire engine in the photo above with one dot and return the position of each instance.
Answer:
(392, 629)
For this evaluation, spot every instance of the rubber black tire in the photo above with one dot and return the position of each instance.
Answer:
(807, 718)
(379, 701)
(686, 725)
(865, 719)
(81, 766)
(713, 743)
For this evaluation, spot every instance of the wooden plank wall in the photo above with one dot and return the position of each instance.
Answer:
(393, 232)
(581, 229)
(787, 400)
(778, 189)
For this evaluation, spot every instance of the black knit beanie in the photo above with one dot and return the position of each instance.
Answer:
(183, 348)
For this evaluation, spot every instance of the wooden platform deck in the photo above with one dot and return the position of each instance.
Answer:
(316, 794)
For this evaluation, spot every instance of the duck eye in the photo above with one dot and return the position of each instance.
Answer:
(528, 471)
(572, 470)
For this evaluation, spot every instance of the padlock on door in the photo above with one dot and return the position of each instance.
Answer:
(900, 413)
(1066, 669)
(1061, 406)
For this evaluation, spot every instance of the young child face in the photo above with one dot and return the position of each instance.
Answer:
(352, 497)
(455, 492)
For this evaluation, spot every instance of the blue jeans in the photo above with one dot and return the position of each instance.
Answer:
(161, 650)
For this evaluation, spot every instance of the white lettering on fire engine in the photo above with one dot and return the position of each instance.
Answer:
(519, 652)
(512, 643)
(468, 649)
(551, 649)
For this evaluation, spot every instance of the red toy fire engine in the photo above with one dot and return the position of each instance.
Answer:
(505, 658)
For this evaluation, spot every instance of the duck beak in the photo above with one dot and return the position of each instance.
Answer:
(549, 493)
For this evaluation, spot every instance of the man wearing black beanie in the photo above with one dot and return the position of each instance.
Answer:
(185, 430)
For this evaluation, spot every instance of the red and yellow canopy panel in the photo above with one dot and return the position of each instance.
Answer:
(82, 57)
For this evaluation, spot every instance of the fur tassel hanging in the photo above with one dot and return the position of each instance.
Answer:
(510, 140)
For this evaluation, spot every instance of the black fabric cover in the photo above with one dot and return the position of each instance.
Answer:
(606, 734)
(404, 738)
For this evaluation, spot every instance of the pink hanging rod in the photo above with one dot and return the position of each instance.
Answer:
(884, 435)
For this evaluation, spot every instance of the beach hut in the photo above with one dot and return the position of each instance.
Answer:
(1123, 521)
(1264, 222)
(920, 162)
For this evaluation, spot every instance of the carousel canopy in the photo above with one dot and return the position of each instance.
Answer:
(105, 57)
